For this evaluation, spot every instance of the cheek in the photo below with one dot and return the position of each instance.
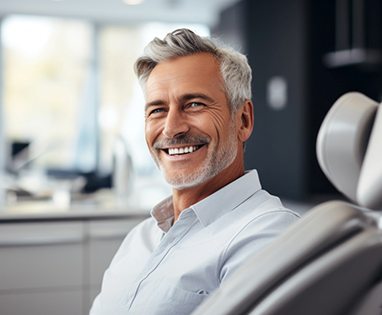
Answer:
(152, 130)
(221, 123)
(147, 133)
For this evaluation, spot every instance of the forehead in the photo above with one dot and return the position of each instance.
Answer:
(194, 73)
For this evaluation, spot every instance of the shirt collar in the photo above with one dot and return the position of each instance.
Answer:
(227, 198)
(163, 213)
(209, 209)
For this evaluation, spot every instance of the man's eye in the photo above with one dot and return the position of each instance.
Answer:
(156, 111)
(195, 105)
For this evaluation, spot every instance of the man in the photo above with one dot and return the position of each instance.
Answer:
(198, 115)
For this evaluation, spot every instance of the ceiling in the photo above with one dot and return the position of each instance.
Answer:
(116, 11)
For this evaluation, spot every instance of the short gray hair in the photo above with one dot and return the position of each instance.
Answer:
(234, 67)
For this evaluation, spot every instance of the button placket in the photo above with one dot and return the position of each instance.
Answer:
(175, 235)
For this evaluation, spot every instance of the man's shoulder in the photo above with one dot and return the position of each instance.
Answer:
(254, 224)
(262, 216)
(263, 204)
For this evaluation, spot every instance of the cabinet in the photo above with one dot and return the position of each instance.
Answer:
(41, 266)
(56, 268)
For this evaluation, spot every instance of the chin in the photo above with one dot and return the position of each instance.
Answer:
(180, 182)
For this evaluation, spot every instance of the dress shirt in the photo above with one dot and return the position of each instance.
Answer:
(163, 268)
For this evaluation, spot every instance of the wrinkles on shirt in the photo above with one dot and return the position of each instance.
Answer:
(174, 236)
(246, 243)
(205, 245)
(169, 301)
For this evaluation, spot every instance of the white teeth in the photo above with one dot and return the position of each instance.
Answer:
(184, 150)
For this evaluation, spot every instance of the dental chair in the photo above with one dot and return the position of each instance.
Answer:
(330, 262)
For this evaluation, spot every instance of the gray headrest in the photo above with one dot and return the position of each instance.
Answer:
(349, 148)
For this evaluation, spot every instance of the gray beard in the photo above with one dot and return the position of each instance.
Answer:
(215, 163)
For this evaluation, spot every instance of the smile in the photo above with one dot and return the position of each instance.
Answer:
(183, 150)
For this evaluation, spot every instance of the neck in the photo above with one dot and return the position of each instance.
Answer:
(184, 198)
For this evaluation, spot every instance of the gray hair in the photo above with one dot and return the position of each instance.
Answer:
(234, 67)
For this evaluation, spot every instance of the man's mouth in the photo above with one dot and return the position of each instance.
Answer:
(183, 150)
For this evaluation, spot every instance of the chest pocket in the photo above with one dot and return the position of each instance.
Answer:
(165, 299)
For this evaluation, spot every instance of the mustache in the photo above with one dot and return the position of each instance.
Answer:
(184, 139)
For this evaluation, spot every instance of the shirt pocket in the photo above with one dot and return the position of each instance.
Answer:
(168, 299)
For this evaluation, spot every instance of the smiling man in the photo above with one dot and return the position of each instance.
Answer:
(198, 115)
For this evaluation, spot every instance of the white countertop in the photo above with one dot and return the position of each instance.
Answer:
(91, 208)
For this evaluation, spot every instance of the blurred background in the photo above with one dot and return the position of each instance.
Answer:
(72, 147)
(69, 94)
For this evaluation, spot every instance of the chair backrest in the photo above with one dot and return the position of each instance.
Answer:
(349, 148)
(332, 257)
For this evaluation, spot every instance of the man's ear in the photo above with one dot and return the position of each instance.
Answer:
(245, 121)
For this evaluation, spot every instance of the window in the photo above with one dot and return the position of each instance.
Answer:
(47, 89)
(69, 91)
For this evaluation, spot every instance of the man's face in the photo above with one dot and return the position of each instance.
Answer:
(190, 131)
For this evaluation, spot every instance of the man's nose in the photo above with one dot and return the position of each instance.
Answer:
(176, 124)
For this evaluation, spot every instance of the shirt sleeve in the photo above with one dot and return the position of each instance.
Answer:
(252, 237)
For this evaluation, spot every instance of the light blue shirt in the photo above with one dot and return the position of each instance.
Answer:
(165, 269)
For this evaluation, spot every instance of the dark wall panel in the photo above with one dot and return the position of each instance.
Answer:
(289, 39)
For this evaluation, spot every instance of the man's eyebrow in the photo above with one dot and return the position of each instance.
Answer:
(190, 96)
(183, 98)
(154, 103)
